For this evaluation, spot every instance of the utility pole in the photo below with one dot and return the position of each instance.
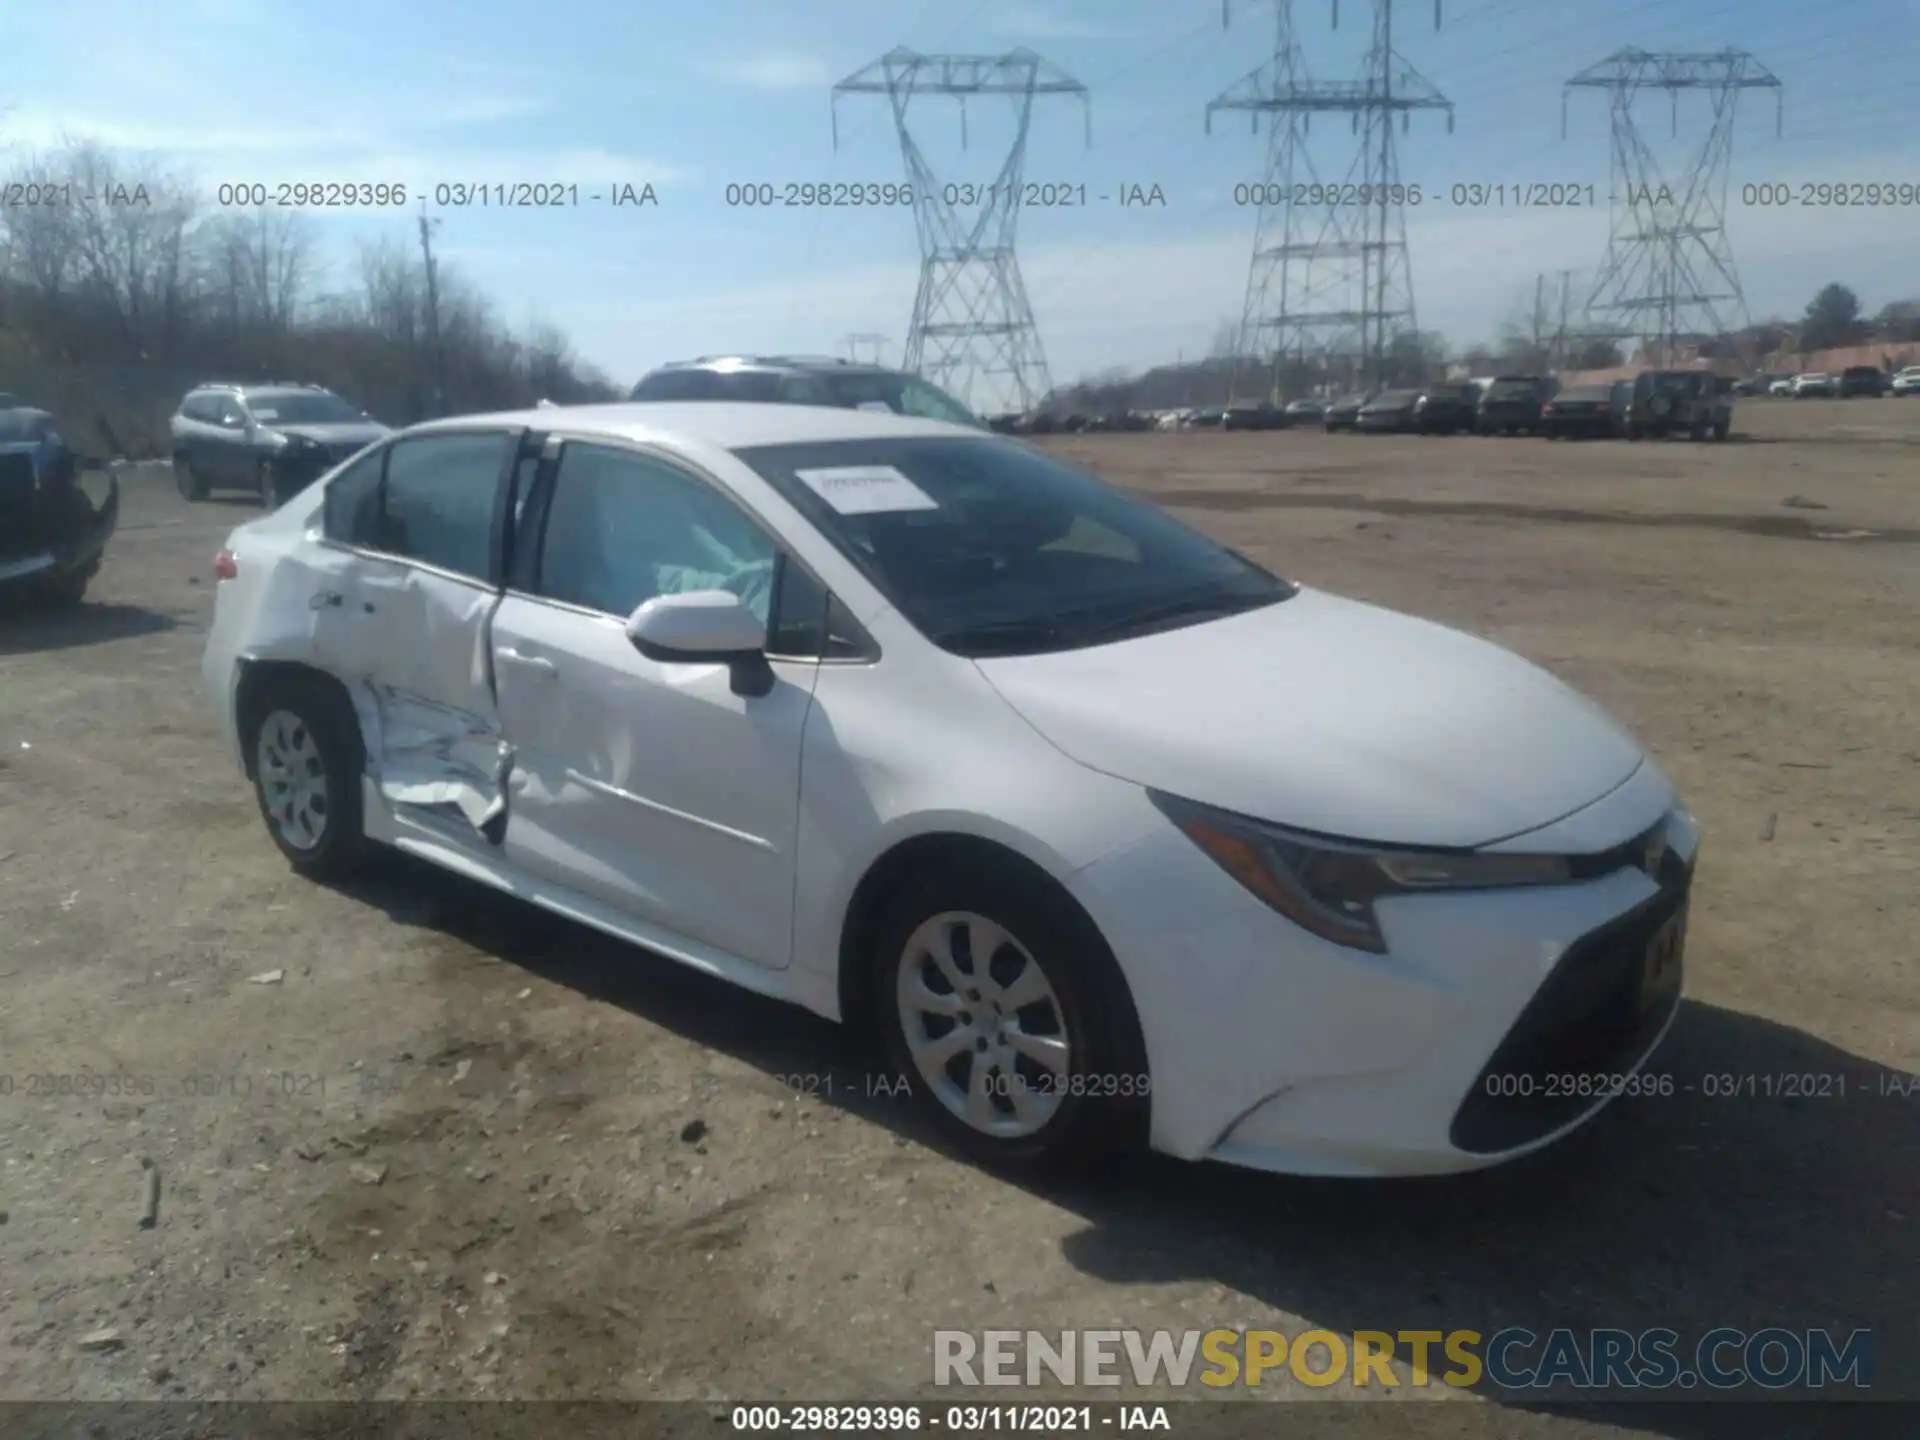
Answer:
(427, 225)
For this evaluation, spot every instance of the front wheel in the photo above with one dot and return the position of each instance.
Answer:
(1009, 1019)
(274, 491)
(71, 588)
(308, 760)
(189, 482)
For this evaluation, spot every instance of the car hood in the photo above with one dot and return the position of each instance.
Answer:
(1333, 716)
(363, 432)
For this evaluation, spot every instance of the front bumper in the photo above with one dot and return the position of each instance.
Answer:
(47, 534)
(1273, 1049)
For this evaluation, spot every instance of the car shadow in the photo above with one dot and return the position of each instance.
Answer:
(28, 626)
(1726, 1202)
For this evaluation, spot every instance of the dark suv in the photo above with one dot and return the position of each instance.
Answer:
(273, 439)
(804, 380)
(1862, 380)
(1512, 403)
(1677, 402)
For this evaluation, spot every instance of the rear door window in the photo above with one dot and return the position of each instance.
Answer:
(439, 499)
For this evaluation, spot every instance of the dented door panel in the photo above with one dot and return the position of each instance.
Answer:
(415, 641)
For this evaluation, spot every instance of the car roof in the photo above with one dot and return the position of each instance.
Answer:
(724, 424)
(777, 362)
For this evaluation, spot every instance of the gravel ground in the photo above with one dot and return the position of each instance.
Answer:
(460, 1150)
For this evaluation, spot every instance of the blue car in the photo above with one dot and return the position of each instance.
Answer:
(52, 535)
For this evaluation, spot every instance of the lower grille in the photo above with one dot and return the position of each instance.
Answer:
(1585, 1020)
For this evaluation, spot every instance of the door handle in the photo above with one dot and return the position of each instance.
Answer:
(537, 663)
(325, 599)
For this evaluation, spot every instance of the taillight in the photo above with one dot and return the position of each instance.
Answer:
(224, 567)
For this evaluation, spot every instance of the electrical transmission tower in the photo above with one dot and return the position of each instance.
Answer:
(1330, 278)
(877, 344)
(1668, 277)
(972, 330)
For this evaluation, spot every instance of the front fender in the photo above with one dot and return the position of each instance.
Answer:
(90, 530)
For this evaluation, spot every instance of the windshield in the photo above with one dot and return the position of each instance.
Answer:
(1449, 392)
(300, 407)
(902, 394)
(1511, 390)
(1391, 398)
(1587, 392)
(989, 547)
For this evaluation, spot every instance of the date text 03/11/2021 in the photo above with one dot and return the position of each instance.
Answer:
(954, 1419)
(446, 195)
(955, 195)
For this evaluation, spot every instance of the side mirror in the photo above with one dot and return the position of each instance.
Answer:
(705, 627)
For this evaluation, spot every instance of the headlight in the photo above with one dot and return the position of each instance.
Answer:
(1329, 886)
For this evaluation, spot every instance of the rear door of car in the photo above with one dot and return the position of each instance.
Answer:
(409, 577)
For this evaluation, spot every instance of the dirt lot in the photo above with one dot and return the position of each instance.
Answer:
(465, 1151)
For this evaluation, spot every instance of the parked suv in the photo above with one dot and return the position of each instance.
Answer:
(1511, 403)
(1677, 402)
(52, 531)
(1862, 380)
(273, 439)
(804, 380)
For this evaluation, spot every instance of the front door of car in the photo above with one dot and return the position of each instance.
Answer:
(400, 611)
(649, 786)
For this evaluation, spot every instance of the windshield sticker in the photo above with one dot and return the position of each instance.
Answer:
(866, 489)
(260, 414)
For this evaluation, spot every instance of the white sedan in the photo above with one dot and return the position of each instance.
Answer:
(1815, 383)
(1907, 382)
(1109, 833)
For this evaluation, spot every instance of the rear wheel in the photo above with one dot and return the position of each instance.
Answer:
(1009, 1019)
(191, 485)
(273, 489)
(1722, 429)
(308, 760)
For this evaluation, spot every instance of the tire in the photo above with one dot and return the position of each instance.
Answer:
(273, 491)
(70, 589)
(1088, 1007)
(1722, 430)
(192, 487)
(293, 727)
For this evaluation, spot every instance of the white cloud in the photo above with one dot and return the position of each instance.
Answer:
(775, 72)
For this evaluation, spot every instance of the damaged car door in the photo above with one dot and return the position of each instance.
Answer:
(662, 788)
(403, 618)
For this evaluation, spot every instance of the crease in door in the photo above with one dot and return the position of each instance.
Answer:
(435, 754)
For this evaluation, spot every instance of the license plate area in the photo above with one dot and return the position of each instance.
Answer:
(1662, 967)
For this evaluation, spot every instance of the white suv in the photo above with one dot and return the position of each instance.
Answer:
(1111, 833)
(1907, 382)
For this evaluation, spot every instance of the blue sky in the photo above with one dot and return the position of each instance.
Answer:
(692, 97)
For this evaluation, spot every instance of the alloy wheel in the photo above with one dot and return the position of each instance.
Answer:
(983, 1025)
(293, 779)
